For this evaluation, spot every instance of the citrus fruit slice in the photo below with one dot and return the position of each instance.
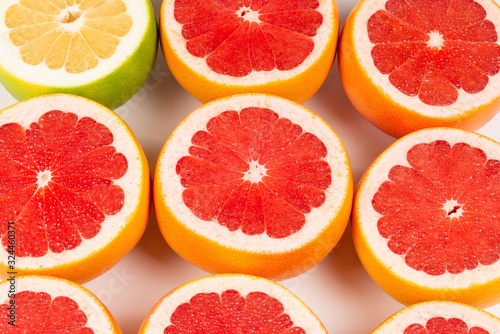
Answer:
(44, 304)
(408, 65)
(74, 188)
(101, 49)
(231, 303)
(219, 48)
(425, 218)
(253, 184)
(440, 317)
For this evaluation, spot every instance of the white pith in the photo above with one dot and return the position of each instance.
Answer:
(435, 40)
(317, 220)
(255, 173)
(11, 61)
(464, 102)
(299, 313)
(97, 318)
(368, 217)
(30, 111)
(420, 313)
(43, 178)
(178, 43)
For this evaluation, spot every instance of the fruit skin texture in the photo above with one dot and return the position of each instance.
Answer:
(299, 88)
(146, 321)
(102, 260)
(111, 90)
(217, 258)
(116, 328)
(404, 291)
(381, 110)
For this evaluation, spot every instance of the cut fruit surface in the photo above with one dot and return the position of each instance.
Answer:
(257, 177)
(439, 317)
(426, 213)
(230, 47)
(435, 62)
(75, 182)
(72, 46)
(231, 303)
(43, 304)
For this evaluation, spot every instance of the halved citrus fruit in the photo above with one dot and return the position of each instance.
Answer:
(219, 48)
(253, 184)
(231, 303)
(426, 220)
(101, 49)
(440, 317)
(74, 190)
(408, 65)
(44, 304)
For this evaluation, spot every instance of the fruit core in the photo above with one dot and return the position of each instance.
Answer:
(39, 312)
(230, 312)
(435, 50)
(440, 213)
(70, 16)
(440, 325)
(255, 172)
(237, 37)
(57, 183)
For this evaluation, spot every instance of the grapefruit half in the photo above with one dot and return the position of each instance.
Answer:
(408, 65)
(74, 188)
(43, 304)
(426, 220)
(101, 49)
(439, 317)
(230, 303)
(253, 184)
(219, 48)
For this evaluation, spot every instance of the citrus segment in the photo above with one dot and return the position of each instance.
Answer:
(434, 62)
(67, 179)
(76, 47)
(428, 208)
(49, 305)
(231, 304)
(249, 175)
(438, 317)
(249, 46)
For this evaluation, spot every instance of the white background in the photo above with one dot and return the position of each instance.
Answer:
(338, 289)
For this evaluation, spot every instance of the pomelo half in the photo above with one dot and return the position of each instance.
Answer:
(253, 184)
(219, 48)
(102, 50)
(49, 305)
(408, 65)
(426, 221)
(230, 303)
(74, 190)
(439, 317)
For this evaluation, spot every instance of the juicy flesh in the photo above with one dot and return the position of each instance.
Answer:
(433, 49)
(231, 313)
(71, 34)
(236, 37)
(439, 325)
(254, 171)
(56, 182)
(38, 312)
(442, 214)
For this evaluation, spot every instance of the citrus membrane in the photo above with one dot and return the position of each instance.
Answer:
(73, 183)
(231, 303)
